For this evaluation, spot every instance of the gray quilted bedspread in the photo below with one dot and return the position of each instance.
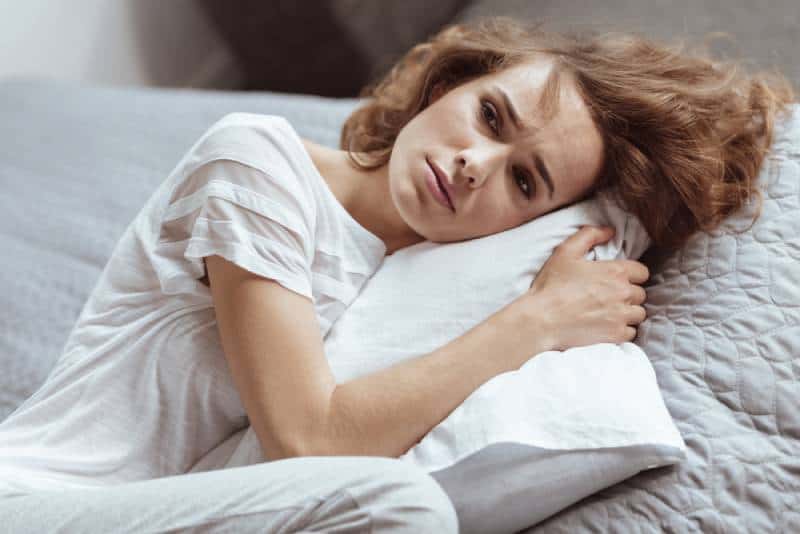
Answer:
(723, 327)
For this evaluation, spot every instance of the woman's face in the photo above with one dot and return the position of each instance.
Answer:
(498, 176)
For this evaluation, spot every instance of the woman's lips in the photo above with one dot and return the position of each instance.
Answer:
(435, 189)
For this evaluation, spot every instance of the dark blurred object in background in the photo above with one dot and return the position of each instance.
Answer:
(335, 47)
(324, 47)
(762, 35)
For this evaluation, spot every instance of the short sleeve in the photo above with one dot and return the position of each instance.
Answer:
(261, 220)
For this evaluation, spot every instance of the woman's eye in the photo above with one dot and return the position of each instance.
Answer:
(491, 117)
(524, 184)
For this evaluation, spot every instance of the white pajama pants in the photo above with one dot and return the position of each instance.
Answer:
(339, 494)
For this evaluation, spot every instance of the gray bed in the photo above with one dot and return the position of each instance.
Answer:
(723, 327)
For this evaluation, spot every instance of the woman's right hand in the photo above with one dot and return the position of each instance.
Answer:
(582, 302)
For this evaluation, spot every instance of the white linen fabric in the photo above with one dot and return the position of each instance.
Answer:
(601, 397)
(142, 389)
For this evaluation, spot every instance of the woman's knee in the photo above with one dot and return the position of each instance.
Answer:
(402, 497)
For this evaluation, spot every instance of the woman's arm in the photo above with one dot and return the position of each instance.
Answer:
(572, 302)
(387, 412)
(274, 349)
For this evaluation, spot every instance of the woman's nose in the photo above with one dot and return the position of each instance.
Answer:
(475, 166)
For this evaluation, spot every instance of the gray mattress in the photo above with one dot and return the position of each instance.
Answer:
(723, 327)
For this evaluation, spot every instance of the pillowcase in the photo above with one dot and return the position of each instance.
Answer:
(424, 296)
(526, 443)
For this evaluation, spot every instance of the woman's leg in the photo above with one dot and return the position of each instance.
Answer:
(339, 494)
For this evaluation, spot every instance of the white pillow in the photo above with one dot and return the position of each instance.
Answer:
(529, 442)
(425, 295)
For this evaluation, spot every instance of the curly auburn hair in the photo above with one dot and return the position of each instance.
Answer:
(684, 135)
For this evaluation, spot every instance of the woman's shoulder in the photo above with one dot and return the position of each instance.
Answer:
(243, 128)
(250, 120)
(266, 142)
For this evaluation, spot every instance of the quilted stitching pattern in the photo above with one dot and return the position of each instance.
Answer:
(723, 334)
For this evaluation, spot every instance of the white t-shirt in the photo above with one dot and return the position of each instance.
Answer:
(142, 389)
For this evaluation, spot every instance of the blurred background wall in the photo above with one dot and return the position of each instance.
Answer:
(334, 47)
(115, 42)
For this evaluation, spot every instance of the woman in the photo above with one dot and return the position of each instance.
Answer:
(212, 309)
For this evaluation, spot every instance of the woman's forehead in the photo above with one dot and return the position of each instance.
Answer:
(535, 88)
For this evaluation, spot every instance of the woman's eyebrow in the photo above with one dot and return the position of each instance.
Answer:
(537, 160)
(512, 111)
(544, 173)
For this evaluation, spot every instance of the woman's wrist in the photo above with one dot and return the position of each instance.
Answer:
(527, 326)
